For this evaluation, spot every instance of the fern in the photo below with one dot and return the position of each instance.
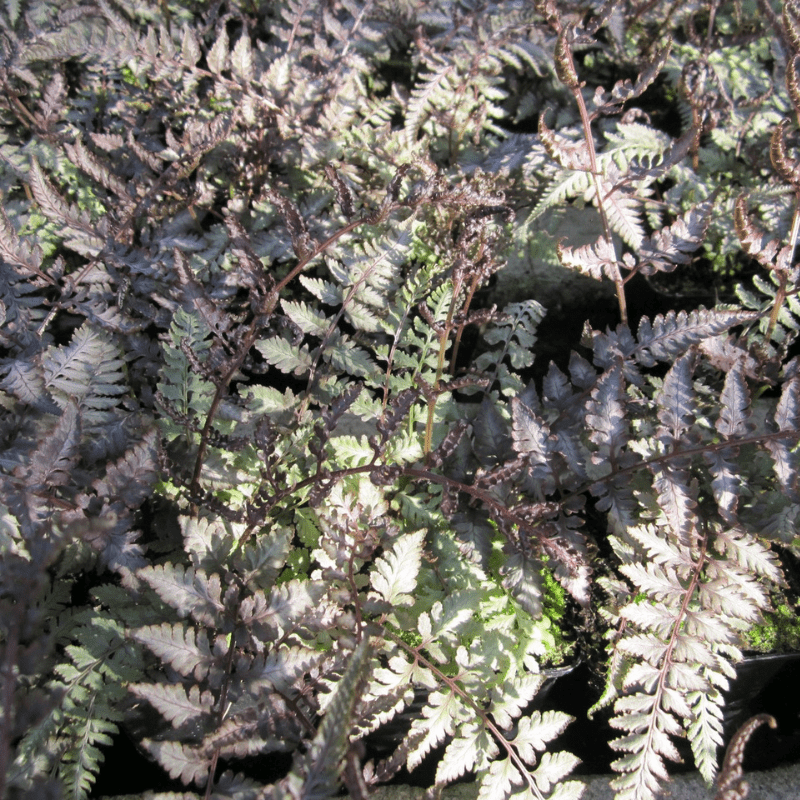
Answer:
(245, 368)
(90, 686)
(89, 372)
(450, 712)
(187, 390)
(516, 333)
(291, 612)
(647, 147)
(330, 745)
(680, 652)
(679, 675)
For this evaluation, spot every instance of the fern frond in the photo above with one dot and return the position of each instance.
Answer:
(260, 561)
(172, 701)
(85, 237)
(90, 686)
(319, 770)
(87, 161)
(190, 592)
(706, 730)
(180, 646)
(515, 331)
(289, 605)
(622, 209)
(351, 359)
(439, 717)
(434, 88)
(565, 186)
(56, 455)
(79, 767)
(89, 372)
(676, 401)
(181, 761)
(278, 669)
(522, 576)
(285, 356)
(680, 641)
(132, 476)
(16, 250)
(209, 540)
(677, 499)
(670, 335)
(190, 393)
(784, 452)
(673, 244)
(596, 260)
(532, 439)
(394, 575)
(472, 749)
(307, 319)
(606, 417)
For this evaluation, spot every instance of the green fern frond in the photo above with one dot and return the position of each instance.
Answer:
(91, 685)
(515, 333)
(188, 391)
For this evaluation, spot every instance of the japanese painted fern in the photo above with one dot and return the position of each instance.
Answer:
(270, 474)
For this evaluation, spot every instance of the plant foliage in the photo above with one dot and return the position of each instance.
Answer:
(272, 477)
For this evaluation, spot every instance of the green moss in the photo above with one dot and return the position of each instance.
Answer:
(132, 78)
(554, 606)
(779, 633)
(555, 597)
(411, 638)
